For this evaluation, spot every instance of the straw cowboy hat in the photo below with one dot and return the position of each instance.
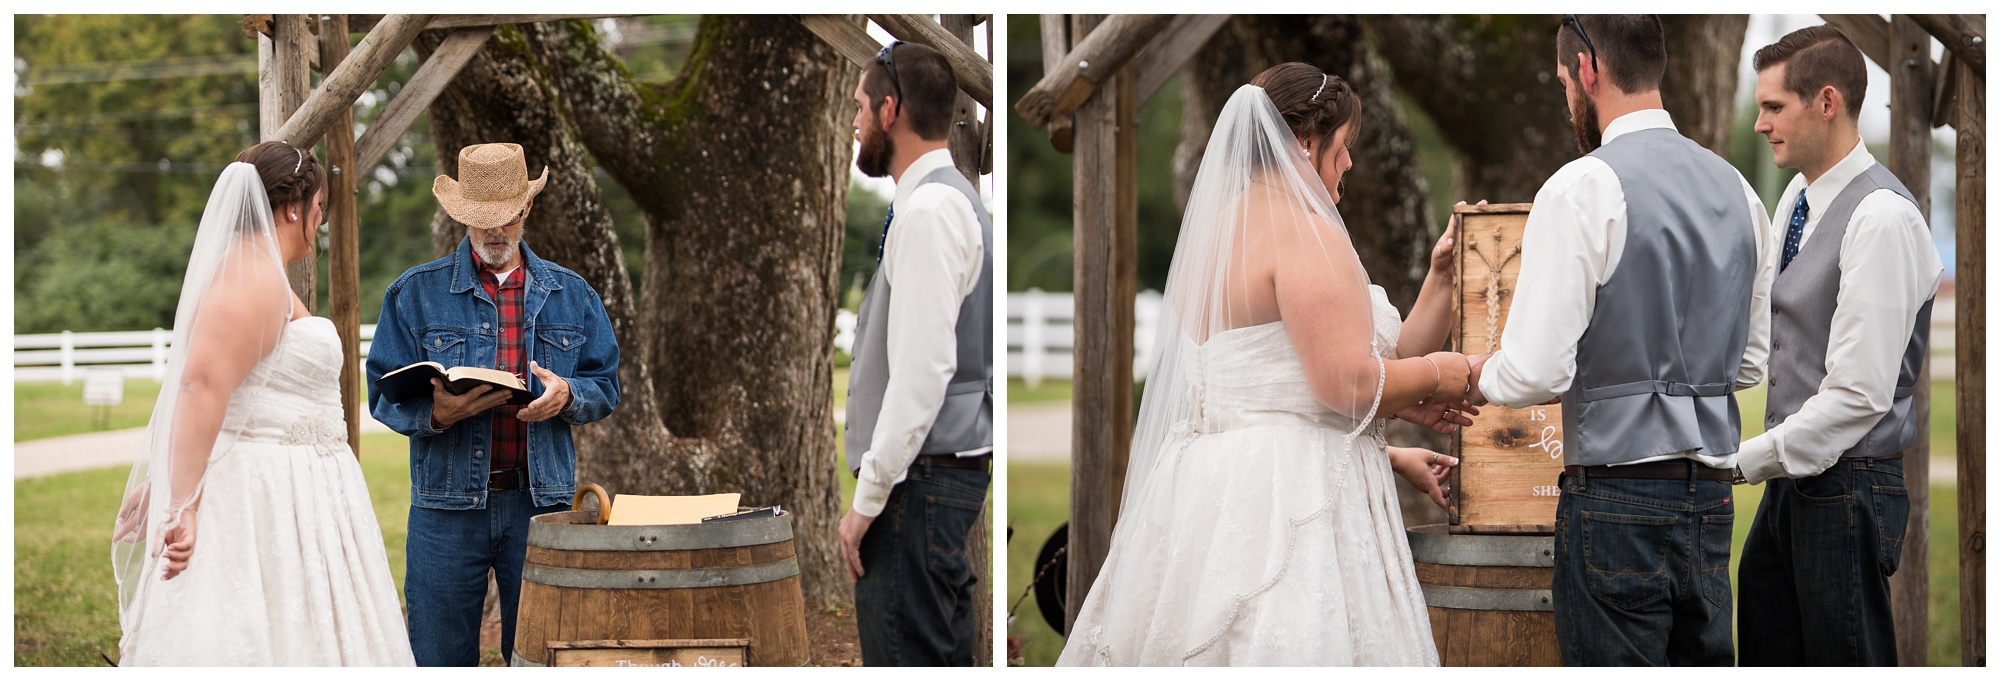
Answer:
(492, 188)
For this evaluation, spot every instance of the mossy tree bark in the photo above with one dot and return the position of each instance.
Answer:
(740, 167)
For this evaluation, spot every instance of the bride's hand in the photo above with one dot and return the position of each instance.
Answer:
(1454, 375)
(1443, 264)
(131, 526)
(1444, 416)
(180, 544)
(1424, 470)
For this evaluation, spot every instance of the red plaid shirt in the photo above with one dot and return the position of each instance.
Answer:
(510, 434)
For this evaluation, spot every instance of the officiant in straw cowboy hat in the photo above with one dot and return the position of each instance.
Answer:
(479, 469)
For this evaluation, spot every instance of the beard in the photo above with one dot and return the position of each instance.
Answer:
(494, 256)
(876, 150)
(1583, 121)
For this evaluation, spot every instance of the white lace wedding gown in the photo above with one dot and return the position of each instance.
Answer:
(1266, 538)
(288, 566)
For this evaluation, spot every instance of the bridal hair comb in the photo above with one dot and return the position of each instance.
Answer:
(302, 156)
(1322, 88)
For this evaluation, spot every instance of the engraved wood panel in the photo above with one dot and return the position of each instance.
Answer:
(1509, 458)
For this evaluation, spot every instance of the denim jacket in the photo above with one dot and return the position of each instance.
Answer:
(438, 312)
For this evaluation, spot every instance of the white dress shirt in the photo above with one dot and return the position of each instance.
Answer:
(932, 262)
(1575, 236)
(1888, 268)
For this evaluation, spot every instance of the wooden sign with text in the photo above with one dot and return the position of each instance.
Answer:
(716, 652)
(1509, 459)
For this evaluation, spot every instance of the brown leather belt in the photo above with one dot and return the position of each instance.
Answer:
(1675, 469)
(503, 480)
(978, 463)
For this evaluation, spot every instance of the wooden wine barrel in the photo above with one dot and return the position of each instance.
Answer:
(729, 580)
(1488, 596)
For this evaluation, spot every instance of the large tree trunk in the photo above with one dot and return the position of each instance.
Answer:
(1700, 87)
(740, 167)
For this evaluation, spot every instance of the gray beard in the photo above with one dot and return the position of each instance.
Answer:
(494, 258)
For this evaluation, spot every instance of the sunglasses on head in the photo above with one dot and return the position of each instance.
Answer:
(1574, 24)
(887, 58)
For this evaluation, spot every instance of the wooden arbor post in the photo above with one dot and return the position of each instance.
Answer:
(344, 240)
(1095, 78)
(1957, 95)
(1912, 78)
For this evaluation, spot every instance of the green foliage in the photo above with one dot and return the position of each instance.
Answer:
(1040, 181)
(101, 275)
(865, 212)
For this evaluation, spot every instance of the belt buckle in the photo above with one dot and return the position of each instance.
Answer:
(494, 478)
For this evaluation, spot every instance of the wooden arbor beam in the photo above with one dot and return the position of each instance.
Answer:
(1098, 57)
(417, 94)
(338, 91)
(362, 23)
(1963, 34)
(852, 41)
(1162, 58)
(1055, 46)
(975, 74)
(1870, 32)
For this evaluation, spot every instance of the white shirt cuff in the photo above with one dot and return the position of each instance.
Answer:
(869, 496)
(1759, 458)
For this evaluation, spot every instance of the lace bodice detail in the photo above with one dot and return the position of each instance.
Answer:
(293, 395)
(1256, 368)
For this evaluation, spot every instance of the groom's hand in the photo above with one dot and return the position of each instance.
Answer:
(1476, 397)
(853, 527)
(555, 396)
(447, 409)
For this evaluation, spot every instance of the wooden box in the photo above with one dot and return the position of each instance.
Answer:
(719, 652)
(1509, 459)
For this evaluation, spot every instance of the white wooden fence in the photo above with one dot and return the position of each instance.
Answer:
(67, 356)
(1041, 334)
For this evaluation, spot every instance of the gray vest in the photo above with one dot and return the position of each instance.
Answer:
(1656, 368)
(1802, 302)
(965, 420)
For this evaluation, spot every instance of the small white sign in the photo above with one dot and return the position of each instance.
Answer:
(104, 389)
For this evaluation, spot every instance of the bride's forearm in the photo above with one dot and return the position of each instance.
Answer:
(1430, 320)
(197, 421)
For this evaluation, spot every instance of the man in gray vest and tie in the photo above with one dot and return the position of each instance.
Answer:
(1642, 303)
(1851, 309)
(920, 390)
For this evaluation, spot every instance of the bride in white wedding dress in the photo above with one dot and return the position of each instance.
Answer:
(248, 446)
(1259, 523)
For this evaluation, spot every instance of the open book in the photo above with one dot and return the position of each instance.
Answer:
(639, 509)
(414, 381)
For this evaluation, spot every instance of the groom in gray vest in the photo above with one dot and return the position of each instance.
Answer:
(1641, 302)
(920, 390)
(1851, 309)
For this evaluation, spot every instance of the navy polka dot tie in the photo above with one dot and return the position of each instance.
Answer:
(1792, 234)
(883, 245)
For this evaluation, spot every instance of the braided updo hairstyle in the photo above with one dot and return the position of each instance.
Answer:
(1313, 103)
(291, 175)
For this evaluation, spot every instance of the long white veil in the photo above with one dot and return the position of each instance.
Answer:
(1260, 243)
(234, 296)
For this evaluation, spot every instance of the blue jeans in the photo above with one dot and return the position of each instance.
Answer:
(913, 606)
(448, 554)
(1642, 572)
(1815, 571)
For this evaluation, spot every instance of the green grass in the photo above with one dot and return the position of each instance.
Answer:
(1038, 501)
(1049, 391)
(45, 410)
(65, 602)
